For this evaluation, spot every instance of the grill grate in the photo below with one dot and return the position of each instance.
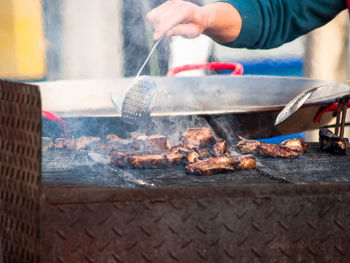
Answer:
(69, 167)
(77, 167)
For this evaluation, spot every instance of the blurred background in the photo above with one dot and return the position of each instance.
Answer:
(89, 39)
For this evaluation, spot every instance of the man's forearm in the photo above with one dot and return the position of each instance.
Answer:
(223, 23)
(220, 21)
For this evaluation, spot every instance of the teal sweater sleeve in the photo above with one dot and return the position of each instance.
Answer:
(270, 23)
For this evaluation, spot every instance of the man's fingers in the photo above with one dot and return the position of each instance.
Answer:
(153, 14)
(166, 8)
(169, 15)
(186, 30)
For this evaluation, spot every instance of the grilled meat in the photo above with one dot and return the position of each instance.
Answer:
(154, 142)
(164, 159)
(192, 157)
(181, 149)
(196, 138)
(329, 142)
(75, 144)
(156, 160)
(114, 142)
(203, 153)
(197, 155)
(220, 148)
(221, 164)
(119, 158)
(248, 146)
(275, 150)
(82, 142)
(287, 149)
(296, 144)
(246, 162)
(63, 143)
(113, 137)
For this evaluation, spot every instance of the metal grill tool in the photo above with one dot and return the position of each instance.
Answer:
(298, 101)
(138, 102)
(139, 99)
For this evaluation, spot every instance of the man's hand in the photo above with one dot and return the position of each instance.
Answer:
(220, 21)
(177, 18)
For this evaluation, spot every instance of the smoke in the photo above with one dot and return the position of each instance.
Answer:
(84, 39)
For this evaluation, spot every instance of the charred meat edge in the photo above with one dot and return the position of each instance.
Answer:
(220, 148)
(331, 143)
(165, 159)
(221, 164)
(114, 142)
(196, 138)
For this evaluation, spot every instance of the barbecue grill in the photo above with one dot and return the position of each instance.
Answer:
(71, 206)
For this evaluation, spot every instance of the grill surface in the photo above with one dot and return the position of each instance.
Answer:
(61, 167)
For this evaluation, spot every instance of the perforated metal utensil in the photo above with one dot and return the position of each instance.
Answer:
(139, 99)
(138, 103)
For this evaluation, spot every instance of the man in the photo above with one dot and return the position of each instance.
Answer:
(244, 23)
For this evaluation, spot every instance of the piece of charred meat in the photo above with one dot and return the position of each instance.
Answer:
(192, 157)
(246, 162)
(139, 143)
(63, 143)
(113, 138)
(246, 146)
(75, 144)
(196, 138)
(197, 155)
(220, 148)
(203, 154)
(114, 142)
(221, 164)
(153, 142)
(200, 144)
(164, 159)
(275, 150)
(295, 144)
(287, 149)
(329, 142)
(84, 141)
(180, 149)
(119, 158)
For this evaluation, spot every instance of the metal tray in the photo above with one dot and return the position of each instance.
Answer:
(246, 105)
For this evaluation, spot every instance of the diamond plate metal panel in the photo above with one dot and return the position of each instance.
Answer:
(20, 163)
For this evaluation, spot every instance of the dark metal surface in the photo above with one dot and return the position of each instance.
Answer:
(71, 168)
(61, 167)
(288, 223)
(314, 166)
